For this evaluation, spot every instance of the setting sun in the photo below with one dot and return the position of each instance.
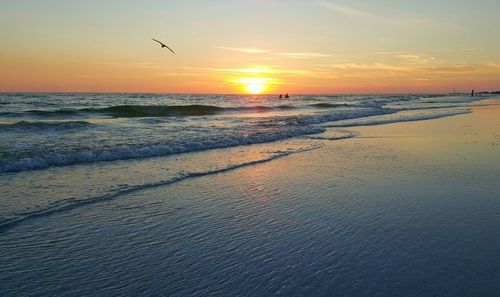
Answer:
(255, 88)
(253, 85)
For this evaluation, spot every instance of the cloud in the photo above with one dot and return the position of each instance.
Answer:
(253, 80)
(494, 65)
(352, 12)
(245, 50)
(407, 57)
(396, 18)
(304, 55)
(241, 70)
(367, 66)
(472, 49)
(388, 53)
(257, 70)
(346, 10)
(424, 52)
(293, 55)
(261, 70)
(415, 59)
(372, 71)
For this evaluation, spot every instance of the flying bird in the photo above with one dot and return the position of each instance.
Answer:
(163, 45)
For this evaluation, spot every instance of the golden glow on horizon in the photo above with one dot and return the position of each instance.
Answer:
(254, 85)
(255, 88)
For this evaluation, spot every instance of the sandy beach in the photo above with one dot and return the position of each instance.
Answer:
(403, 209)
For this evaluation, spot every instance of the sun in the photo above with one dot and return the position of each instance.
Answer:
(255, 88)
(253, 85)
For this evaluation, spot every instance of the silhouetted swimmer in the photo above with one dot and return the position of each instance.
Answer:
(286, 96)
(163, 45)
(281, 96)
(472, 93)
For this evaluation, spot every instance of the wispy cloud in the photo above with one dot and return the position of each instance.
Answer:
(367, 66)
(256, 70)
(471, 49)
(389, 53)
(494, 65)
(407, 57)
(371, 70)
(293, 55)
(304, 55)
(176, 74)
(351, 12)
(242, 70)
(245, 50)
(415, 59)
(396, 19)
(345, 10)
(425, 52)
(252, 80)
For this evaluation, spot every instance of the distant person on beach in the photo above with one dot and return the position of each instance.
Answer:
(286, 96)
(281, 96)
(472, 93)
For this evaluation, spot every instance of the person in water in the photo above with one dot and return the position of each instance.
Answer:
(281, 96)
(286, 96)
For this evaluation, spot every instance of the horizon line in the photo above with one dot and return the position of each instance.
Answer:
(263, 94)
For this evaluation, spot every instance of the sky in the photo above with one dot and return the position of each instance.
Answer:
(232, 46)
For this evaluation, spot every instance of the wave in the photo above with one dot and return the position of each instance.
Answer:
(46, 160)
(404, 116)
(45, 125)
(332, 105)
(126, 111)
(336, 135)
(131, 111)
(72, 203)
(278, 128)
(341, 115)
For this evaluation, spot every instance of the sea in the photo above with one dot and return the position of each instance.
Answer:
(67, 132)
(40, 131)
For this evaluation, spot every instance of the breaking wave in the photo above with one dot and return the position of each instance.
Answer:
(45, 125)
(41, 160)
(131, 111)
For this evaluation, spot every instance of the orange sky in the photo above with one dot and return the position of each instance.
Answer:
(227, 46)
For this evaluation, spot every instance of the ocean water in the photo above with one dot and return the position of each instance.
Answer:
(39, 131)
(77, 173)
(62, 150)
(56, 141)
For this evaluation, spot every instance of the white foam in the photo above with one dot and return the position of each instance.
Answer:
(403, 116)
(46, 160)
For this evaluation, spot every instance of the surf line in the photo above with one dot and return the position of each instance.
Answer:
(70, 203)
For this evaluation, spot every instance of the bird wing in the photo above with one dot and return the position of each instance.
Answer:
(170, 49)
(158, 41)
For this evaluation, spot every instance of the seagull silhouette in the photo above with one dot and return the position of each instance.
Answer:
(163, 45)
